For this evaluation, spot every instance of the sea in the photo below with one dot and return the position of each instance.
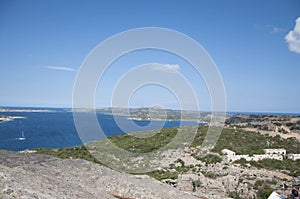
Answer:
(55, 127)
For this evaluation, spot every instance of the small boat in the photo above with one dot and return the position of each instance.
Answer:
(22, 137)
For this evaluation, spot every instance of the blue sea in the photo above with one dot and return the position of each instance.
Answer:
(56, 129)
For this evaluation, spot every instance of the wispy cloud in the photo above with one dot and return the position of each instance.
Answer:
(169, 68)
(269, 28)
(61, 68)
(277, 30)
(293, 38)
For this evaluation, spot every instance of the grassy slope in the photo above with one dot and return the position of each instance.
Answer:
(240, 141)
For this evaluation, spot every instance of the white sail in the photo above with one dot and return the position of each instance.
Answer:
(22, 137)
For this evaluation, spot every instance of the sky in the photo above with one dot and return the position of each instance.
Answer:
(254, 44)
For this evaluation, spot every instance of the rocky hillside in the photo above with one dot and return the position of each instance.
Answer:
(26, 175)
(182, 167)
(180, 171)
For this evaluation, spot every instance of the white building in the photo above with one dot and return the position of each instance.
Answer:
(275, 151)
(294, 157)
(266, 156)
(276, 154)
(228, 152)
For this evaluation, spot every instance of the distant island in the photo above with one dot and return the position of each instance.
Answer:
(158, 113)
(4, 118)
(13, 110)
(7, 118)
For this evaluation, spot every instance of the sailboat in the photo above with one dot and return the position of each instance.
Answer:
(22, 137)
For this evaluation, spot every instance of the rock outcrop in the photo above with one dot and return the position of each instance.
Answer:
(25, 175)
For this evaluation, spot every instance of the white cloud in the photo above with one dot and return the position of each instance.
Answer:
(170, 68)
(293, 38)
(61, 68)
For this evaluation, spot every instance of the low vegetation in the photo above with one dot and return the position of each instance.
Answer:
(263, 188)
(144, 145)
(234, 195)
(210, 159)
(290, 167)
(241, 142)
(78, 152)
(244, 142)
(162, 174)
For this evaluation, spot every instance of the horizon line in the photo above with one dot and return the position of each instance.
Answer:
(227, 111)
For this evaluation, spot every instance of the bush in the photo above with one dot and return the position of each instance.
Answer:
(234, 195)
(211, 159)
(292, 166)
(210, 175)
(264, 192)
(79, 152)
(144, 145)
(181, 162)
(263, 188)
(241, 161)
(161, 175)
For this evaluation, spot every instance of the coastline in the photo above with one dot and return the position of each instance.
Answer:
(165, 119)
(10, 118)
(8, 110)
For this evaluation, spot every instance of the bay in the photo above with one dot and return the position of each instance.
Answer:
(56, 129)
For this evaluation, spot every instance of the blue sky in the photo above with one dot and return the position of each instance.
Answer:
(43, 44)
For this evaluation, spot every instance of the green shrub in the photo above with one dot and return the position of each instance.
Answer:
(210, 175)
(144, 145)
(161, 175)
(263, 188)
(79, 152)
(181, 162)
(234, 195)
(211, 159)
